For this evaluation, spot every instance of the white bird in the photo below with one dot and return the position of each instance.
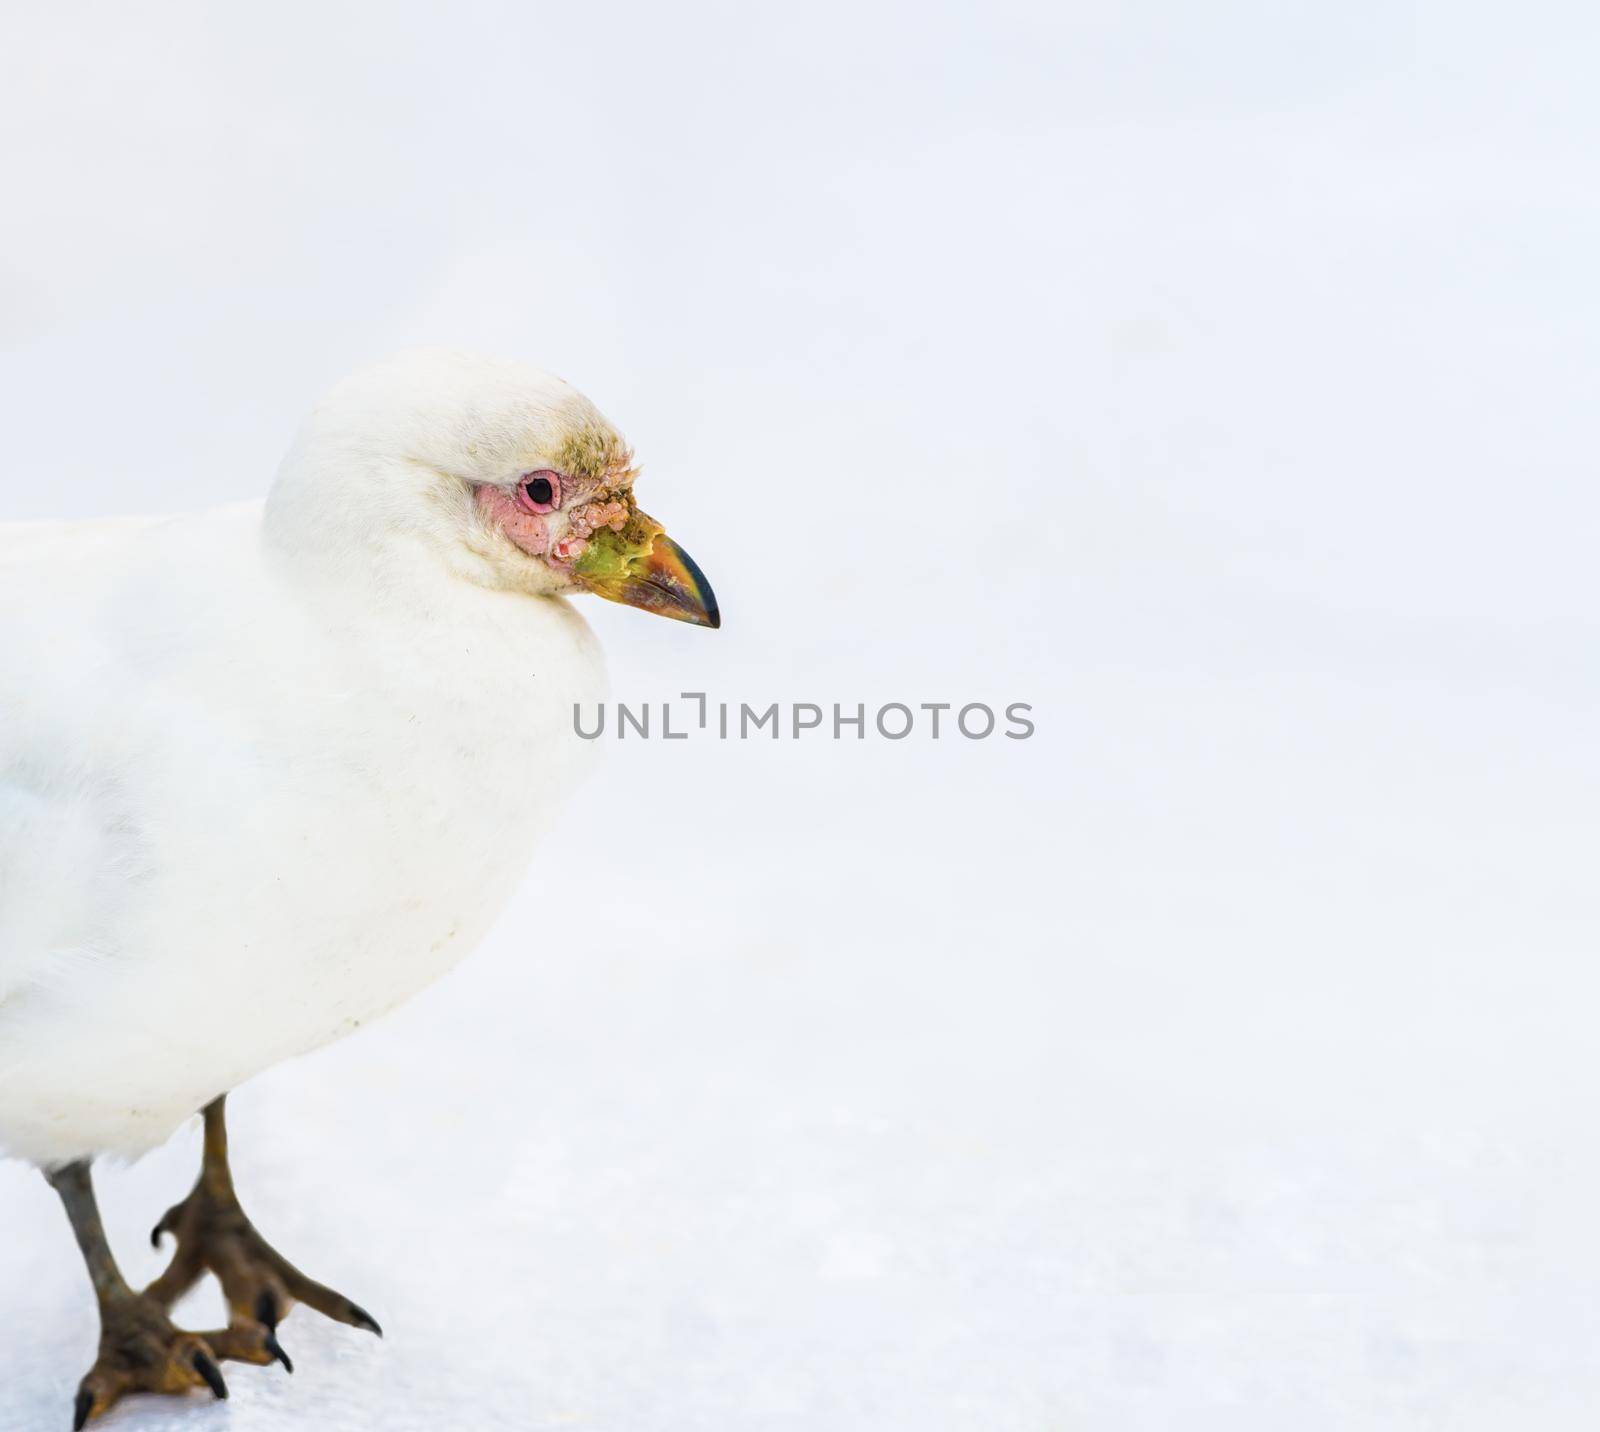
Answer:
(266, 771)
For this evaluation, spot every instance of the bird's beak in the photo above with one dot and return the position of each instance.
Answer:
(643, 567)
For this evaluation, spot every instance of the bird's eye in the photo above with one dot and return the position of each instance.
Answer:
(541, 491)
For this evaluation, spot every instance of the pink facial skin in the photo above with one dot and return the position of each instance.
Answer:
(583, 522)
(530, 530)
(530, 524)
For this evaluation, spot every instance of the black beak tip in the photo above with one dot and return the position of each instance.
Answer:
(709, 614)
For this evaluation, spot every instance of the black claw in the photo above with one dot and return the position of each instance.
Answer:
(276, 1349)
(155, 1236)
(267, 1310)
(81, 1409)
(208, 1370)
(363, 1319)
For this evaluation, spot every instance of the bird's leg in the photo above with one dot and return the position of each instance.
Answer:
(260, 1284)
(140, 1349)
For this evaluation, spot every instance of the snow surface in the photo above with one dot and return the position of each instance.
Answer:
(1220, 380)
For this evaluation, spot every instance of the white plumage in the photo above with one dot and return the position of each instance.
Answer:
(265, 772)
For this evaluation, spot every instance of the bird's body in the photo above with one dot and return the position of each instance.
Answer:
(267, 770)
(245, 808)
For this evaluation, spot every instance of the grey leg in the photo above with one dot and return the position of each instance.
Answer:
(140, 1349)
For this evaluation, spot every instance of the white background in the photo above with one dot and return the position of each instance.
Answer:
(1219, 379)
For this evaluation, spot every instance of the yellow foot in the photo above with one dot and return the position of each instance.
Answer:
(259, 1283)
(141, 1351)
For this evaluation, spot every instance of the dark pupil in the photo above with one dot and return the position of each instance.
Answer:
(540, 490)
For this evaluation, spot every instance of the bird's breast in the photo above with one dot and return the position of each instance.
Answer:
(394, 813)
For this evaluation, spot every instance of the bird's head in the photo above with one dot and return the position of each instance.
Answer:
(509, 476)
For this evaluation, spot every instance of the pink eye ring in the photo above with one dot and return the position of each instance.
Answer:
(540, 491)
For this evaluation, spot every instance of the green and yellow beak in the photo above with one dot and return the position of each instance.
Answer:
(641, 566)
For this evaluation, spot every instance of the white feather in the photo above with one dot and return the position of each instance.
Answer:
(261, 780)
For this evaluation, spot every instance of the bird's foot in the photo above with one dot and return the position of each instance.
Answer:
(259, 1283)
(141, 1351)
